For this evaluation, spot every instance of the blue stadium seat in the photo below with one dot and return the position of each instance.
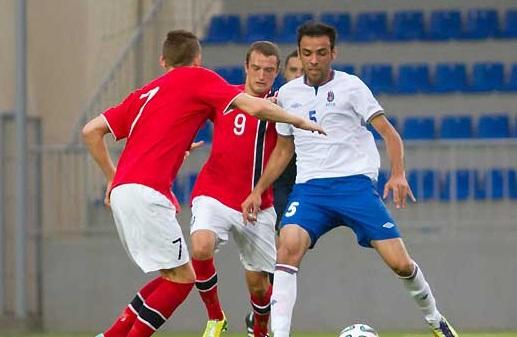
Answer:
(509, 29)
(456, 127)
(462, 182)
(489, 184)
(182, 187)
(422, 184)
(512, 184)
(224, 28)
(486, 77)
(511, 84)
(481, 23)
(376, 135)
(414, 184)
(232, 74)
(205, 133)
(371, 26)
(497, 177)
(413, 78)
(449, 77)
(340, 21)
(408, 25)
(260, 27)
(378, 77)
(480, 185)
(347, 68)
(494, 126)
(381, 181)
(290, 24)
(444, 25)
(428, 178)
(421, 128)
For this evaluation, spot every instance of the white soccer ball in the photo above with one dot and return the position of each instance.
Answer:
(358, 330)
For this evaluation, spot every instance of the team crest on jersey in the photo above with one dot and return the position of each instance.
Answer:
(330, 96)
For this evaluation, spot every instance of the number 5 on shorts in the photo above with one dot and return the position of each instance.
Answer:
(178, 240)
(292, 208)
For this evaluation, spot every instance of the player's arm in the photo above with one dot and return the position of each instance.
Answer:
(397, 183)
(264, 109)
(278, 161)
(93, 135)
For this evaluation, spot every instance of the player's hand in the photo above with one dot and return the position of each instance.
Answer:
(306, 124)
(400, 189)
(107, 201)
(250, 208)
(193, 146)
(272, 99)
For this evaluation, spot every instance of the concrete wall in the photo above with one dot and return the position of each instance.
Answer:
(471, 270)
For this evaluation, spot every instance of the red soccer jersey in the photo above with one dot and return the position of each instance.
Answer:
(241, 147)
(160, 122)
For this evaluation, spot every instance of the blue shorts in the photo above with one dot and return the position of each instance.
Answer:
(320, 205)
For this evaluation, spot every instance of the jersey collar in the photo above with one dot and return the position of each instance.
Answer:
(316, 87)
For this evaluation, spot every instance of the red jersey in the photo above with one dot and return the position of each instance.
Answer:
(160, 122)
(241, 147)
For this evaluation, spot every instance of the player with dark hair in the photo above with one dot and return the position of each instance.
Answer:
(335, 182)
(159, 122)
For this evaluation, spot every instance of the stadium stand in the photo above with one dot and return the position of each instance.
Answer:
(399, 26)
(290, 22)
(260, 27)
(456, 127)
(341, 21)
(408, 25)
(223, 29)
(444, 25)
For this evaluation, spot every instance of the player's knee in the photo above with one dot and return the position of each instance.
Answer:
(202, 249)
(258, 289)
(290, 254)
(181, 274)
(403, 268)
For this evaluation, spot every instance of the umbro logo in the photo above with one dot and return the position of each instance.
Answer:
(388, 225)
(295, 106)
(273, 302)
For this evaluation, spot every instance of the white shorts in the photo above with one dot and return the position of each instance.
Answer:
(256, 242)
(147, 226)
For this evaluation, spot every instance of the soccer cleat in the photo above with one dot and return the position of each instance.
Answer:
(445, 329)
(100, 335)
(215, 327)
(249, 324)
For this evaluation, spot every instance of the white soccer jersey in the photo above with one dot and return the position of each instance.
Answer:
(342, 107)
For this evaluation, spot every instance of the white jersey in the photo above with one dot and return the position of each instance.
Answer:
(342, 107)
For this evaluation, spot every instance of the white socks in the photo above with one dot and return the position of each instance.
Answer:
(283, 299)
(419, 289)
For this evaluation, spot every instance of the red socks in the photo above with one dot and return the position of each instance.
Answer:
(206, 283)
(126, 319)
(158, 307)
(261, 310)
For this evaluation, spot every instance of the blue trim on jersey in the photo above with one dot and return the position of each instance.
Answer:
(316, 87)
(320, 205)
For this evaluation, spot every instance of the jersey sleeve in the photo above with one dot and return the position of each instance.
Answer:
(216, 92)
(283, 129)
(363, 101)
(120, 117)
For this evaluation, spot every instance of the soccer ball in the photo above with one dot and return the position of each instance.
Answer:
(358, 330)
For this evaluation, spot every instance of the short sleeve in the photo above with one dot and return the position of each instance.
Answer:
(363, 102)
(216, 92)
(283, 129)
(120, 117)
